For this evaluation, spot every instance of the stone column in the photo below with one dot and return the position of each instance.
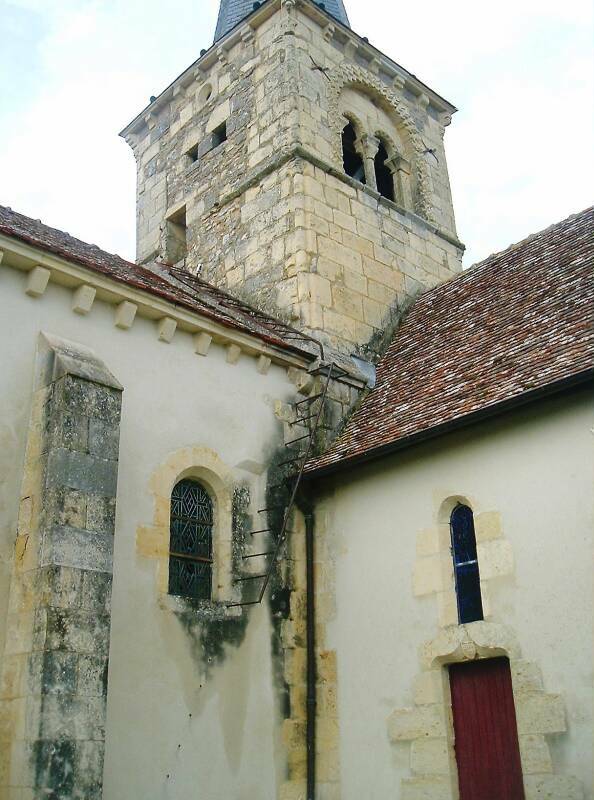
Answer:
(54, 671)
(367, 146)
(400, 168)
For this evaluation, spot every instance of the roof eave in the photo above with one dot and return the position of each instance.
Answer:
(86, 266)
(556, 387)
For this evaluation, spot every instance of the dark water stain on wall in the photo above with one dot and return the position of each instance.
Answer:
(278, 494)
(210, 627)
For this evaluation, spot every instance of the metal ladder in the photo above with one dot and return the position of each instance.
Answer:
(307, 417)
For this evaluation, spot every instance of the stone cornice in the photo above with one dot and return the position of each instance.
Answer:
(333, 28)
(43, 267)
(299, 151)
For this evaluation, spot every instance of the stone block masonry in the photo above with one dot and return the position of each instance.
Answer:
(53, 689)
(269, 213)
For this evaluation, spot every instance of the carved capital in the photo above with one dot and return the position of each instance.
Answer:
(347, 74)
(398, 164)
(367, 145)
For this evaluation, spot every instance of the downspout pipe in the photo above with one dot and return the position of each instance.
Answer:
(311, 697)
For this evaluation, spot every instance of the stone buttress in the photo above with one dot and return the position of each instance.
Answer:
(54, 679)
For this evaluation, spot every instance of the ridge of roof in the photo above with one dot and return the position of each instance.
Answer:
(194, 294)
(532, 236)
(503, 331)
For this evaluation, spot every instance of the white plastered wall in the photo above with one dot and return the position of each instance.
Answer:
(170, 731)
(535, 470)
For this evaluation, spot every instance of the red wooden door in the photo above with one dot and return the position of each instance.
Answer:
(486, 734)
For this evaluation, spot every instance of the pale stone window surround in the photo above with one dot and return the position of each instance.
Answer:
(351, 75)
(205, 466)
(400, 168)
(358, 127)
(367, 146)
(434, 566)
(428, 725)
(174, 234)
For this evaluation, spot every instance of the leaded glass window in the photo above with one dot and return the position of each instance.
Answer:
(190, 543)
(466, 568)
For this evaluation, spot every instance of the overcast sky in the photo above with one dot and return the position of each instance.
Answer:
(520, 150)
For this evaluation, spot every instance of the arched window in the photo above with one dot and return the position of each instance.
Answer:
(190, 541)
(466, 568)
(353, 163)
(383, 176)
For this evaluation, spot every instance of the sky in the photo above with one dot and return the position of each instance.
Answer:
(520, 149)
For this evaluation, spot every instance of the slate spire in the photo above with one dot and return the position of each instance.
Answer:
(231, 12)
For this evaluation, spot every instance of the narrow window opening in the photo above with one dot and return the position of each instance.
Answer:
(190, 542)
(192, 154)
(219, 135)
(383, 176)
(353, 163)
(466, 568)
(176, 245)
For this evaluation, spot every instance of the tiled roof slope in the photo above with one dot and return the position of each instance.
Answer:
(516, 323)
(199, 296)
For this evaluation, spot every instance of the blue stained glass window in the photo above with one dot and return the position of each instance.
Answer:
(190, 542)
(466, 568)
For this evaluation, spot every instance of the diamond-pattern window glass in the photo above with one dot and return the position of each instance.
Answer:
(190, 543)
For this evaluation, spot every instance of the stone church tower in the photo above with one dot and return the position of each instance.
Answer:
(298, 167)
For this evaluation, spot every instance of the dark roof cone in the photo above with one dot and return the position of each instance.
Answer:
(232, 12)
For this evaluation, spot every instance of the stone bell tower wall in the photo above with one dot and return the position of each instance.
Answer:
(240, 173)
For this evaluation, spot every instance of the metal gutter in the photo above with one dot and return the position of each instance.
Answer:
(311, 696)
(577, 380)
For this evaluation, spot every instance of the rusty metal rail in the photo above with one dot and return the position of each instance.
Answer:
(300, 460)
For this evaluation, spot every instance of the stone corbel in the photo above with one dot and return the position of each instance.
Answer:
(367, 147)
(350, 49)
(247, 35)
(423, 101)
(445, 119)
(289, 23)
(329, 32)
(398, 83)
(374, 66)
(150, 120)
(222, 57)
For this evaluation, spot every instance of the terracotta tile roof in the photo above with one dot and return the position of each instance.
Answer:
(506, 329)
(193, 294)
